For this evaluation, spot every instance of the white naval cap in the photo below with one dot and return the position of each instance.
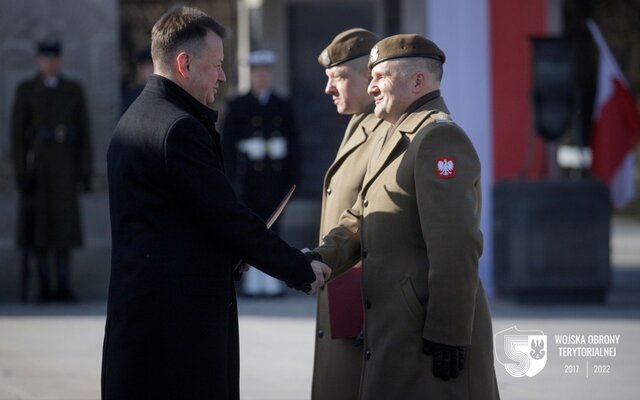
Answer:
(262, 58)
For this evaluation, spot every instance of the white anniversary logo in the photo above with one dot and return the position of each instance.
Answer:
(521, 352)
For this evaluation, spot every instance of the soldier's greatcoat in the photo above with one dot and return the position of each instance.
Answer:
(337, 363)
(178, 230)
(51, 149)
(416, 228)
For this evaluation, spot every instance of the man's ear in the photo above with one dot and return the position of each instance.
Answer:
(183, 60)
(419, 80)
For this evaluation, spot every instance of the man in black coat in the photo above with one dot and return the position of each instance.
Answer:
(178, 230)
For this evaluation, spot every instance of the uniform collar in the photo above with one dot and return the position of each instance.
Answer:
(370, 123)
(422, 100)
(420, 110)
(181, 98)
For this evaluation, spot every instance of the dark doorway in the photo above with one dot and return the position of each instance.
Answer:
(311, 28)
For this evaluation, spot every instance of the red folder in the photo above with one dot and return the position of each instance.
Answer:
(346, 311)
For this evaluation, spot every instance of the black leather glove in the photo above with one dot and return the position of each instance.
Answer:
(306, 287)
(313, 256)
(448, 361)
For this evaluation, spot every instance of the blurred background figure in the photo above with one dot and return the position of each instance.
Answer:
(261, 154)
(144, 68)
(51, 152)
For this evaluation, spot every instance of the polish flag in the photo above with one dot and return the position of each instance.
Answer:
(616, 127)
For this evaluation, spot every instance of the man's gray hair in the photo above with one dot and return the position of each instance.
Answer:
(420, 64)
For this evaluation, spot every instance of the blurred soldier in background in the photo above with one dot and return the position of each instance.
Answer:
(51, 153)
(261, 154)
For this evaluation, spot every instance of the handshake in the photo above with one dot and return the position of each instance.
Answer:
(320, 270)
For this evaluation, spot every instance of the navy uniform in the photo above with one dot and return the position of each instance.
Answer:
(52, 160)
(261, 153)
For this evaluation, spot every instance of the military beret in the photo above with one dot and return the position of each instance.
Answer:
(348, 45)
(49, 47)
(401, 46)
(262, 58)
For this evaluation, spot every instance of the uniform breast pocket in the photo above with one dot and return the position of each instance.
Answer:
(410, 299)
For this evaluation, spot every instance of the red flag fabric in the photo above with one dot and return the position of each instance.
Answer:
(616, 126)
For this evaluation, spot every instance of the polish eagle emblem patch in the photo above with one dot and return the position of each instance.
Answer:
(445, 167)
(324, 58)
(373, 56)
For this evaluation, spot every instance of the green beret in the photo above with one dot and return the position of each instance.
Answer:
(348, 45)
(401, 46)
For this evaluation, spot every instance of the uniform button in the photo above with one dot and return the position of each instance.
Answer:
(324, 237)
(367, 304)
(367, 355)
(328, 190)
(365, 202)
(320, 333)
(364, 254)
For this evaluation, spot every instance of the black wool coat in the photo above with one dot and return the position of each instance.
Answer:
(177, 232)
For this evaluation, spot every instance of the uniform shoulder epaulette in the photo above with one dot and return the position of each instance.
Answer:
(441, 117)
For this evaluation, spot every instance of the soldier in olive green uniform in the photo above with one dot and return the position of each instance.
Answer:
(338, 360)
(415, 225)
(51, 152)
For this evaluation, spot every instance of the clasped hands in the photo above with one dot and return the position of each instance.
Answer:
(320, 269)
(322, 272)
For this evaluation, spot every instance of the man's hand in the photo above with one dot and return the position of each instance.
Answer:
(322, 271)
(448, 361)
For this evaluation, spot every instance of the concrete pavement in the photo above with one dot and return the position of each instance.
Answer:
(53, 352)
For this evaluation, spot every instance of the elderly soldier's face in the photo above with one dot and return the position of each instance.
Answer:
(348, 89)
(391, 90)
(206, 70)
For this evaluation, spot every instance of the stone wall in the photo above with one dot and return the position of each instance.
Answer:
(89, 31)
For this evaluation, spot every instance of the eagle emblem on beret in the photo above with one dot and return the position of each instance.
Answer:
(324, 58)
(373, 57)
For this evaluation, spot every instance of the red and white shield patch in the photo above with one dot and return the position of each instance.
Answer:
(445, 167)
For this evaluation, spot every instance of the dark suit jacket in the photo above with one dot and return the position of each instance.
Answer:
(178, 230)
